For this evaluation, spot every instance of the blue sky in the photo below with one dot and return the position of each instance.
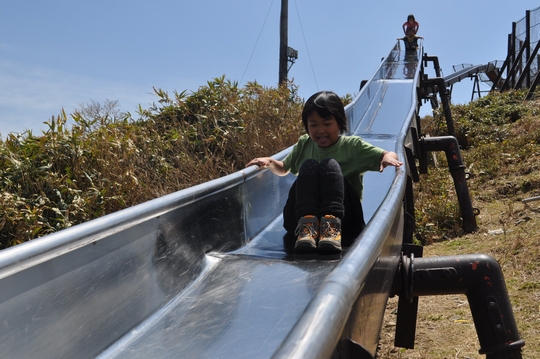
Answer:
(60, 53)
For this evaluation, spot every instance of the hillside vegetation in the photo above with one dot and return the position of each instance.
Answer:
(69, 175)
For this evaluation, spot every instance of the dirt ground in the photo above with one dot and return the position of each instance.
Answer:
(509, 232)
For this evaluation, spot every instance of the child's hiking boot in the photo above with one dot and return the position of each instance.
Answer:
(307, 233)
(330, 240)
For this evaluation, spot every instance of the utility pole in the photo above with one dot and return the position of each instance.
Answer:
(286, 54)
(283, 45)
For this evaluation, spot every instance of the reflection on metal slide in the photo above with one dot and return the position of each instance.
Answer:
(206, 272)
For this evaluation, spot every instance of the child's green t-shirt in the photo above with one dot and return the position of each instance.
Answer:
(354, 155)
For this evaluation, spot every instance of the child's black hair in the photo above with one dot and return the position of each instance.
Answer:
(327, 105)
(411, 16)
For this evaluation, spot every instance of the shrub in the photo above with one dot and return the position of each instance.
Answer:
(107, 163)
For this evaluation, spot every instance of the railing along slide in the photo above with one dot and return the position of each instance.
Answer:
(206, 272)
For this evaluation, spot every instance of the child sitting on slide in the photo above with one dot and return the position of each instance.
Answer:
(325, 199)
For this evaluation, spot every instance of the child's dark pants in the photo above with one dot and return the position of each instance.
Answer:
(320, 189)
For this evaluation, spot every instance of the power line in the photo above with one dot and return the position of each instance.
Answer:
(305, 42)
(260, 32)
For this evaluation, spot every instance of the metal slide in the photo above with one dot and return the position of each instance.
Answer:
(466, 72)
(481, 73)
(206, 272)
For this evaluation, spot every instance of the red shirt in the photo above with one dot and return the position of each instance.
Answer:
(408, 25)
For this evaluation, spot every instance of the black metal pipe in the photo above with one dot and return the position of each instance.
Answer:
(440, 84)
(435, 61)
(450, 146)
(480, 278)
(407, 304)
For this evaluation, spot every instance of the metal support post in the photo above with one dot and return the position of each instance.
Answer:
(450, 146)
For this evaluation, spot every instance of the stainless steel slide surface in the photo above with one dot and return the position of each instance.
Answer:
(207, 272)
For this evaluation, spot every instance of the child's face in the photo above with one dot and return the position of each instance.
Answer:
(324, 132)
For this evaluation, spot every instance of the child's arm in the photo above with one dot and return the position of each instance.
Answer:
(275, 166)
(389, 158)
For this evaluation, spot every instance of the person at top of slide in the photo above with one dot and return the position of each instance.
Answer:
(411, 23)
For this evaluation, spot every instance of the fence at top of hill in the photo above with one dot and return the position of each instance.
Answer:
(522, 63)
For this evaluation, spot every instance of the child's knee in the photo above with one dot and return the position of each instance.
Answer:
(331, 164)
(309, 167)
